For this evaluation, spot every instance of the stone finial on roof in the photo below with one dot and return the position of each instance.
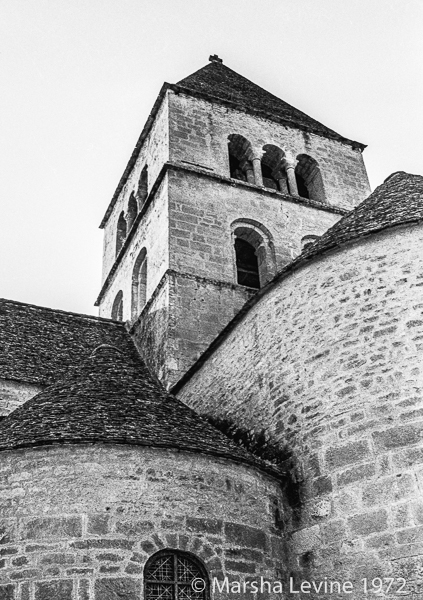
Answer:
(215, 58)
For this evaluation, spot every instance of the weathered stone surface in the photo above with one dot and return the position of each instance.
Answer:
(47, 590)
(331, 308)
(244, 536)
(122, 588)
(344, 455)
(50, 527)
(368, 523)
(7, 592)
(218, 510)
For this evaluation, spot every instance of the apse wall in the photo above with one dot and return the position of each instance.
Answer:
(79, 522)
(329, 362)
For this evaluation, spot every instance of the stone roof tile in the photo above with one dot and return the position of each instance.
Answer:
(39, 345)
(398, 201)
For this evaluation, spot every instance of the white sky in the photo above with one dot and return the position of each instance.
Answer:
(79, 77)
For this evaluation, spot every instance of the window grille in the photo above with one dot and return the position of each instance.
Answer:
(169, 575)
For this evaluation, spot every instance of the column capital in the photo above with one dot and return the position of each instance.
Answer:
(289, 162)
(255, 154)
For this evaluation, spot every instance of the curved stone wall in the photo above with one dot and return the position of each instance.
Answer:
(80, 522)
(329, 362)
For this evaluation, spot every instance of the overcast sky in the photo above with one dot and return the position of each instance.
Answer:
(79, 77)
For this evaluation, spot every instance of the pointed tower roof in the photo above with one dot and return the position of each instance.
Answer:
(112, 398)
(217, 83)
(221, 83)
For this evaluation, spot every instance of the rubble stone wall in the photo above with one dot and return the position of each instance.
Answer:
(80, 522)
(329, 363)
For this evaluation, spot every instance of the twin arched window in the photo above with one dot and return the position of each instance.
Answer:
(135, 203)
(273, 170)
(169, 574)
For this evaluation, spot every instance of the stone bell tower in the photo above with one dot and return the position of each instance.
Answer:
(225, 186)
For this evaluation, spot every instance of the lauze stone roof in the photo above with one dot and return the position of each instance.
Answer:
(112, 398)
(398, 201)
(39, 345)
(218, 81)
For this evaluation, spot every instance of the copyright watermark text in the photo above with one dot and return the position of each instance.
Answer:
(326, 586)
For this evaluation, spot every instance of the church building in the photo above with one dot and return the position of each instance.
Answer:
(245, 416)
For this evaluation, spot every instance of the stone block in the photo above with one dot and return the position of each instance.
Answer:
(388, 490)
(47, 590)
(334, 531)
(395, 437)
(208, 526)
(7, 592)
(122, 588)
(244, 536)
(50, 527)
(134, 528)
(240, 567)
(98, 524)
(83, 589)
(355, 474)
(306, 539)
(7, 531)
(367, 523)
(340, 456)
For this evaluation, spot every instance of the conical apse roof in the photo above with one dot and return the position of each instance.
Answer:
(112, 398)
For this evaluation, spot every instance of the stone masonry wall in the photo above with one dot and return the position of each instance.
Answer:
(154, 153)
(329, 363)
(201, 244)
(201, 212)
(199, 130)
(15, 393)
(80, 522)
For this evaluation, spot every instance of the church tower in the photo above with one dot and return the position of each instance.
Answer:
(226, 184)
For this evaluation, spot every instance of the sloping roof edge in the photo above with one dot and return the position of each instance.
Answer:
(316, 250)
(213, 98)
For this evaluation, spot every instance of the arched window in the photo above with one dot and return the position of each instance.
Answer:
(142, 191)
(132, 211)
(139, 284)
(117, 308)
(168, 575)
(240, 165)
(255, 260)
(120, 232)
(309, 179)
(247, 271)
(274, 176)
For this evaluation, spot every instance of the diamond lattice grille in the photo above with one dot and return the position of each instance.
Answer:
(169, 577)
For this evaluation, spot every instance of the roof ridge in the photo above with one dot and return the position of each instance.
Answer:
(62, 311)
